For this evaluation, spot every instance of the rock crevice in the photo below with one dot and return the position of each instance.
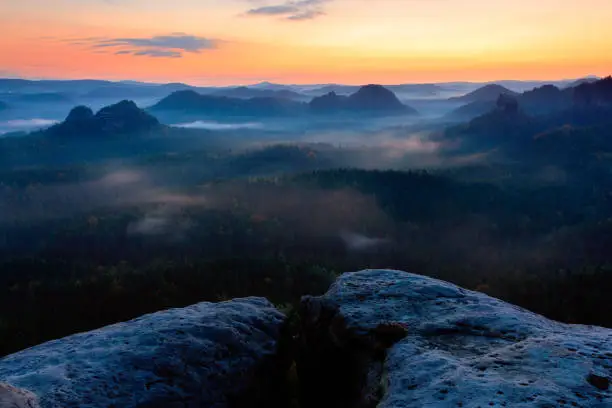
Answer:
(377, 338)
(446, 346)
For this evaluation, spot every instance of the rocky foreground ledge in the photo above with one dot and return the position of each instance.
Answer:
(227, 354)
(392, 339)
(377, 338)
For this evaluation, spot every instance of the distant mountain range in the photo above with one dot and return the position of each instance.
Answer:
(511, 127)
(43, 97)
(487, 93)
(368, 99)
(542, 100)
(130, 89)
(192, 103)
(244, 92)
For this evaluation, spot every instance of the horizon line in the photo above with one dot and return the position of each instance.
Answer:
(264, 81)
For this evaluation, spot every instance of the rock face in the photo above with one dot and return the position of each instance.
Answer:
(205, 355)
(392, 339)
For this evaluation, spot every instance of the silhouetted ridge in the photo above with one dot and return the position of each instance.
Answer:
(121, 118)
(80, 114)
(44, 97)
(194, 103)
(369, 98)
(595, 94)
(244, 92)
(542, 100)
(375, 98)
(328, 103)
(487, 93)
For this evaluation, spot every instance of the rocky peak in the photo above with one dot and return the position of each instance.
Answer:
(80, 114)
(376, 98)
(124, 117)
(121, 118)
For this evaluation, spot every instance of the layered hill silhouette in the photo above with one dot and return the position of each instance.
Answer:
(368, 99)
(488, 93)
(543, 100)
(594, 94)
(118, 119)
(43, 97)
(191, 102)
(3, 106)
(244, 92)
(583, 114)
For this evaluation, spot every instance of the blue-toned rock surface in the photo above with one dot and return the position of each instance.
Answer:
(393, 339)
(207, 355)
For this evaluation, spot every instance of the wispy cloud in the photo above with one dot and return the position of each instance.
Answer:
(295, 10)
(162, 46)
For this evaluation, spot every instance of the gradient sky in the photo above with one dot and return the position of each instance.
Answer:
(305, 41)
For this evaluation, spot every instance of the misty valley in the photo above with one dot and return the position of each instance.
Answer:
(120, 199)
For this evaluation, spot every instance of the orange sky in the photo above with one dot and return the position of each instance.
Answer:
(305, 41)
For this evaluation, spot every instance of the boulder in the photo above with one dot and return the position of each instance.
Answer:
(228, 354)
(393, 339)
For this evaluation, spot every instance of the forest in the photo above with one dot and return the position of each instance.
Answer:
(286, 236)
(103, 228)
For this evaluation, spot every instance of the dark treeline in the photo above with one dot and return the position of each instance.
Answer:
(289, 236)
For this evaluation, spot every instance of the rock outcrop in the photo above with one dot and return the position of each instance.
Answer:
(118, 119)
(227, 354)
(392, 339)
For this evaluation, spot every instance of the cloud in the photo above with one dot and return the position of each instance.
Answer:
(292, 10)
(158, 53)
(161, 46)
(201, 124)
(360, 242)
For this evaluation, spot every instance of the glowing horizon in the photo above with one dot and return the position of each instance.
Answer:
(222, 42)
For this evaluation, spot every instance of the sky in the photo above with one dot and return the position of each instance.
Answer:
(221, 42)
